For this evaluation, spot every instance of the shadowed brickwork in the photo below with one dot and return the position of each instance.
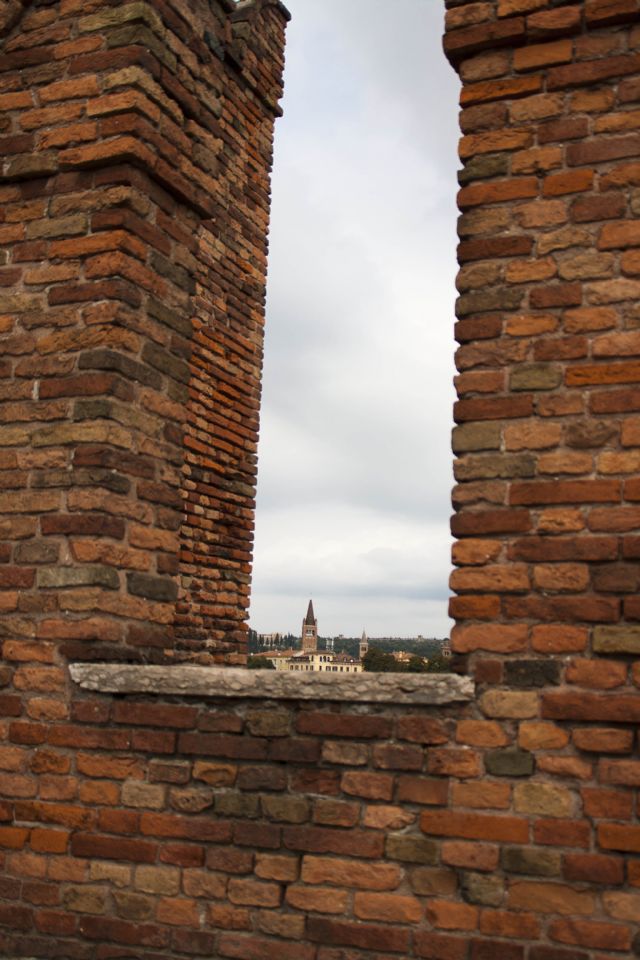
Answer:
(548, 441)
(136, 142)
(160, 819)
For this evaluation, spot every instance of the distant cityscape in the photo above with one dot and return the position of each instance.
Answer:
(340, 654)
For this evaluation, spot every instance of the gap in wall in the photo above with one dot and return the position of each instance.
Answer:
(355, 465)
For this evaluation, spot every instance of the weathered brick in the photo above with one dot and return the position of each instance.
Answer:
(475, 826)
(550, 897)
(481, 795)
(509, 763)
(452, 916)
(317, 899)
(390, 908)
(411, 849)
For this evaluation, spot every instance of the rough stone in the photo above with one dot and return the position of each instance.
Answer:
(509, 763)
(482, 889)
(614, 639)
(531, 673)
(262, 684)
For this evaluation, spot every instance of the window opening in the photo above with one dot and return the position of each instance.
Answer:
(354, 461)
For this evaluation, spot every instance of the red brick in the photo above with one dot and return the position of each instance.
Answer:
(178, 912)
(503, 923)
(154, 714)
(461, 763)
(475, 826)
(113, 848)
(251, 947)
(621, 708)
(206, 744)
(481, 733)
(423, 790)
(470, 856)
(538, 55)
(482, 796)
(359, 843)
(494, 950)
(567, 833)
(553, 22)
(623, 772)
(367, 936)
(372, 786)
(13, 838)
(602, 740)
(565, 128)
(49, 841)
(589, 673)
(594, 71)
(498, 638)
(501, 89)
(111, 930)
(568, 491)
(593, 868)
(185, 827)
(493, 408)
(604, 803)
(387, 907)
(541, 897)
(614, 836)
(445, 915)
(459, 44)
(351, 726)
(182, 854)
(363, 876)
(590, 933)
(55, 922)
(491, 247)
(398, 757)
(519, 188)
(421, 730)
(609, 207)
(573, 181)
(482, 522)
(15, 916)
(439, 946)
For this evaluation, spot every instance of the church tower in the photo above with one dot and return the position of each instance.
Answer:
(364, 645)
(309, 631)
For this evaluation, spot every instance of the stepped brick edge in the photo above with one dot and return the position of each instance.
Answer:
(234, 682)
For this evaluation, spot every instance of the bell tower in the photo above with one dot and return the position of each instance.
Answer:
(309, 631)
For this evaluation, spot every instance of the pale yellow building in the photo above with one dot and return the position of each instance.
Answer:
(324, 662)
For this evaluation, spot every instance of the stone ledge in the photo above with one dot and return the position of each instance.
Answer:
(233, 682)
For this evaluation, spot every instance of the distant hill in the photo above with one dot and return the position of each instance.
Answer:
(427, 647)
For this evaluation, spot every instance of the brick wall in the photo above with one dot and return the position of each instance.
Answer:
(549, 330)
(156, 821)
(136, 141)
(170, 826)
(547, 446)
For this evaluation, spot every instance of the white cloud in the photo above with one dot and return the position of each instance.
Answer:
(354, 479)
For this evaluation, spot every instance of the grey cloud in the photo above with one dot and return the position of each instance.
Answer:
(355, 469)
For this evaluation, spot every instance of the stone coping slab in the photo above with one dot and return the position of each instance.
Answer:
(238, 683)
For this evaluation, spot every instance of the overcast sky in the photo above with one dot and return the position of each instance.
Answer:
(354, 461)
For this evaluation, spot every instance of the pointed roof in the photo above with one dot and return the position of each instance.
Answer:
(364, 636)
(310, 619)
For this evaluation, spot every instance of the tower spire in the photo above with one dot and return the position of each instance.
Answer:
(310, 631)
(310, 617)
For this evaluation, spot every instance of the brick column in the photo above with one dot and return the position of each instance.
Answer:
(548, 436)
(136, 144)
